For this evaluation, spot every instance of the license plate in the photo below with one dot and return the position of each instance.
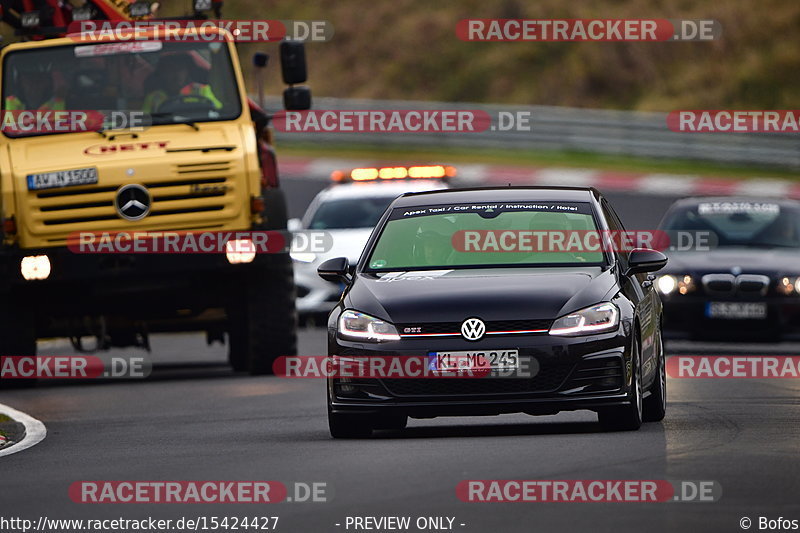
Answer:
(486, 360)
(737, 310)
(62, 178)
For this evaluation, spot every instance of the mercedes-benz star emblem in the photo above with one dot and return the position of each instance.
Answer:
(473, 329)
(132, 202)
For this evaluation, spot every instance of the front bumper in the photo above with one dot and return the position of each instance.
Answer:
(685, 317)
(572, 373)
(168, 292)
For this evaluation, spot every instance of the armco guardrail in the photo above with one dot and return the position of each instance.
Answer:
(565, 128)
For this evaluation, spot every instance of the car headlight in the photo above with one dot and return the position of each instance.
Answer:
(361, 326)
(667, 284)
(789, 285)
(595, 319)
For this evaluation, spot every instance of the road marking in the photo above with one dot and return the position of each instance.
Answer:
(35, 432)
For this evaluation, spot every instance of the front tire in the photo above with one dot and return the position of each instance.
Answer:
(262, 320)
(627, 417)
(655, 405)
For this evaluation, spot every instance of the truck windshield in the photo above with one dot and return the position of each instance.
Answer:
(159, 82)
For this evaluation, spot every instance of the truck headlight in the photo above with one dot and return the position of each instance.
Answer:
(35, 267)
(595, 319)
(240, 251)
(361, 326)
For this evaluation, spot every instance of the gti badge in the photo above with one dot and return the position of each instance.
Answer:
(132, 202)
(473, 329)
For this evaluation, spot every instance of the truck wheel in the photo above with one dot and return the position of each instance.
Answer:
(262, 321)
(17, 337)
(275, 210)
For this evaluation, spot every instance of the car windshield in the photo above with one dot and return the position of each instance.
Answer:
(740, 223)
(161, 82)
(347, 213)
(498, 235)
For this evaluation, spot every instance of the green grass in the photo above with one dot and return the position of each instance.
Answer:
(534, 159)
(4, 418)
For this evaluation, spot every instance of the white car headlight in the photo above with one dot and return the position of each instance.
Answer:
(360, 326)
(595, 319)
(667, 284)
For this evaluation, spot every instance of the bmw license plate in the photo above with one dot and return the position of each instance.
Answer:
(737, 310)
(477, 360)
(62, 178)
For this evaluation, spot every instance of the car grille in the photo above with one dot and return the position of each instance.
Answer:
(192, 188)
(493, 327)
(728, 284)
(548, 379)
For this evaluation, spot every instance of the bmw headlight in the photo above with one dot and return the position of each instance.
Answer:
(595, 319)
(361, 326)
(789, 285)
(667, 284)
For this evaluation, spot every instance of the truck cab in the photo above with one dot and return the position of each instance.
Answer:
(146, 136)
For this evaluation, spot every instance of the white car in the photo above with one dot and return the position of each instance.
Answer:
(348, 212)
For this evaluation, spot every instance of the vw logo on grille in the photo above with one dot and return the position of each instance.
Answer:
(132, 202)
(473, 329)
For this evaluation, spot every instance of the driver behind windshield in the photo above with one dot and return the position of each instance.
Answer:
(36, 90)
(173, 82)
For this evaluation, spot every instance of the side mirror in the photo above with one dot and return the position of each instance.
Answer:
(335, 270)
(294, 224)
(297, 98)
(293, 62)
(645, 260)
(260, 60)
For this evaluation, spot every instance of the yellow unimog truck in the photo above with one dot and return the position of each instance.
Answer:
(201, 163)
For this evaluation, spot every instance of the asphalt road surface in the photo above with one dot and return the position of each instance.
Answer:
(194, 419)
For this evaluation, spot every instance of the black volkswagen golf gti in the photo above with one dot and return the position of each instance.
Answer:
(461, 274)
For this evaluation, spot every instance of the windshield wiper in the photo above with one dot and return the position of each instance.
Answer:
(189, 123)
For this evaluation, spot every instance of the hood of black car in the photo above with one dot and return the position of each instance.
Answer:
(489, 294)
